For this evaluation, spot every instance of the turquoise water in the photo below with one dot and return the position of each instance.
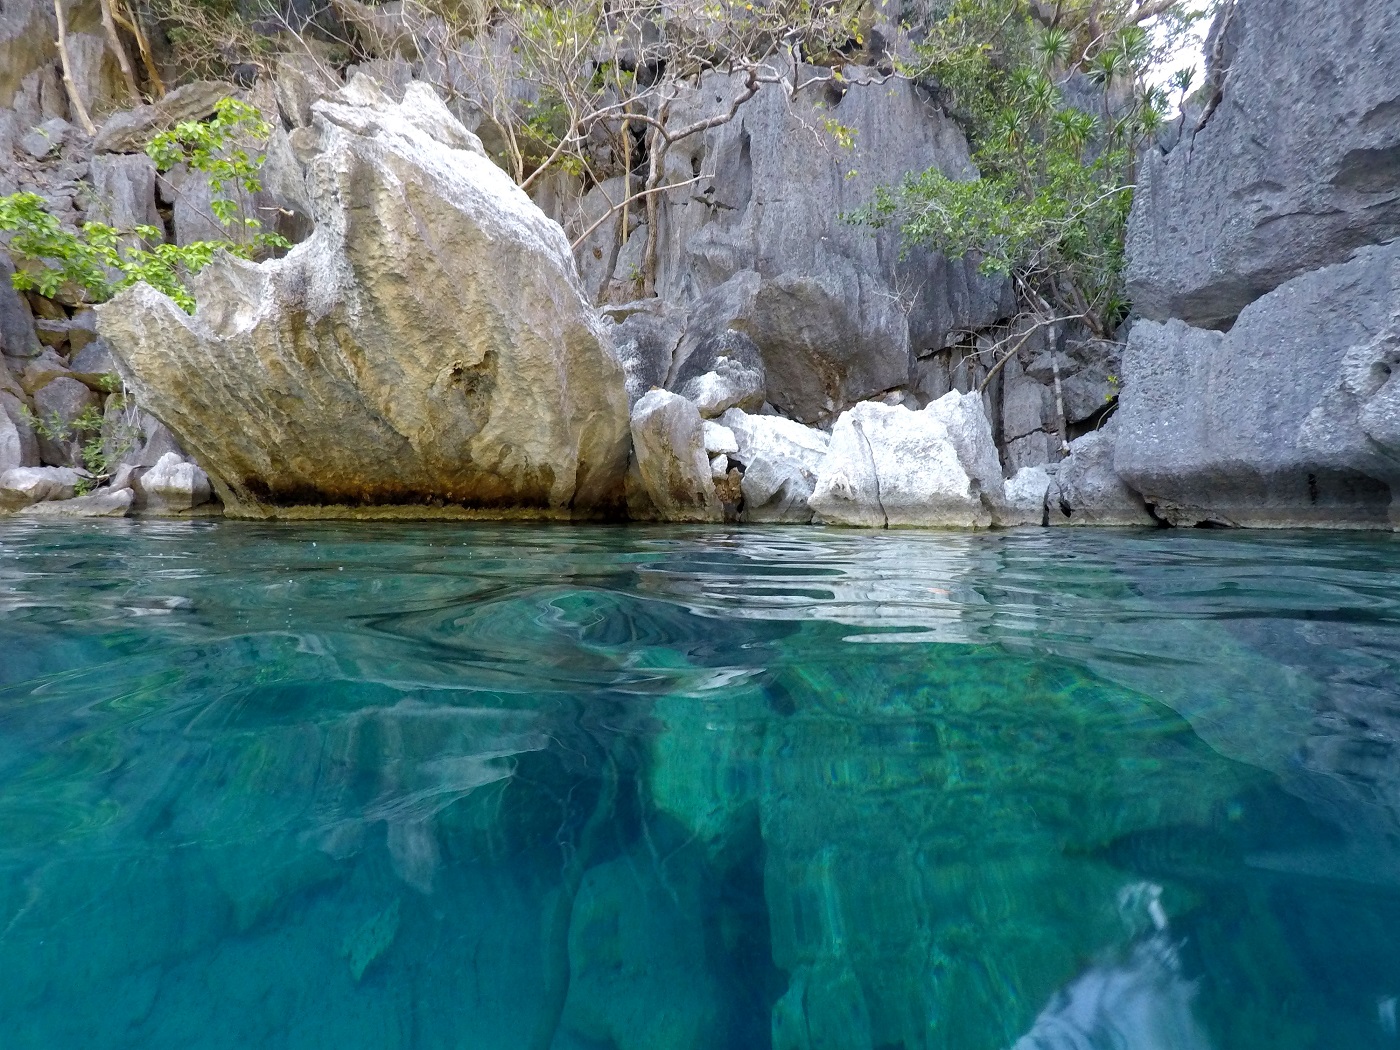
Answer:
(644, 789)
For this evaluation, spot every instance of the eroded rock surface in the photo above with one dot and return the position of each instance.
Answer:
(1087, 490)
(888, 466)
(1286, 420)
(427, 347)
(1297, 167)
(668, 439)
(781, 458)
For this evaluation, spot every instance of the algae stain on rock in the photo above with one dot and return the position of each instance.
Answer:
(371, 939)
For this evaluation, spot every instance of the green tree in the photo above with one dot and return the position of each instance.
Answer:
(1051, 206)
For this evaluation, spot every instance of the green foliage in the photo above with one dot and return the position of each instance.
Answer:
(95, 262)
(1051, 206)
(216, 149)
(99, 452)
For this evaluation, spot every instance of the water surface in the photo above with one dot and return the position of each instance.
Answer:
(395, 786)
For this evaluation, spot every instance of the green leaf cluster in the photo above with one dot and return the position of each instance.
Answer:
(1051, 205)
(95, 262)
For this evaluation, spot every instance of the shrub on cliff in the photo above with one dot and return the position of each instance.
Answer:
(1056, 101)
(95, 262)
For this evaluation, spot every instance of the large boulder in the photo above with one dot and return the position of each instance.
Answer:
(17, 336)
(58, 404)
(1297, 167)
(426, 349)
(781, 458)
(1026, 495)
(129, 130)
(19, 445)
(105, 504)
(888, 466)
(644, 338)
(668, 437)
(124, 191)
(730, 384)
(1268, 424)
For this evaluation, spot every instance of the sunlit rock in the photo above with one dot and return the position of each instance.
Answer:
(426, 350)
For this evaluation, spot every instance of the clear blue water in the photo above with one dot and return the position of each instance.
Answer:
(659, 789)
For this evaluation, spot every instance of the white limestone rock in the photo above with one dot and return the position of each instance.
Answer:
(890, 467)
(1089, 491)
(780, 458)
(173, 485)
(22, 486)
(1026, 493)
(730, 384)
(107, 503)
(668, 438)
(965, 416)
(719, 438)
(427, 350)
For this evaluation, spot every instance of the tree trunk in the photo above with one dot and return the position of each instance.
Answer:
(74, 99)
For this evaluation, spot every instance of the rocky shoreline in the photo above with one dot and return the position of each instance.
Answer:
(432, 346)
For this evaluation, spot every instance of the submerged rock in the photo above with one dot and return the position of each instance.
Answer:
(427, 347)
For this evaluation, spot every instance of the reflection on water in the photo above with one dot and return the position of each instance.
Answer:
(606, 789)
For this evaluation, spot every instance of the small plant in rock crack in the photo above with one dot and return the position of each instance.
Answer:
(102, 441)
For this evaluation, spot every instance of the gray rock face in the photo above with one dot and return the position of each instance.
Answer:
(1280, 422)
(129, 130)
(1026, 495)
(137, 439)
(1087, 490)
(11, 444)
(1357, 424)
(94, 359)
(781, 458)
(58, 403)
(836, 312)
(644, 340)
(1297, 168)
(47, 138)
(172, 485)
(24, 452)
(17, 338)
(731, 384)
(668, 439)
(427, 349)
(125, 190)
(26, 43)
